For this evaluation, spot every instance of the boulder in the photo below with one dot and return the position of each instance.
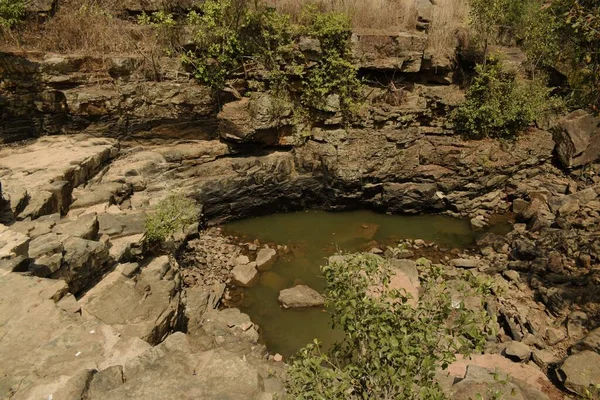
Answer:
(265, 258)
(83, 262)
(590, 342)
(245, 275)
(518, 351)
(577, 138)
(580, 371)
(300, 296)
(230, 324)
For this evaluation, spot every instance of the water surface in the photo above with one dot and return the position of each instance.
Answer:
(312, 236)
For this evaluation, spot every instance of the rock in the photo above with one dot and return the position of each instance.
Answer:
(174, 370)
(278, 357)
(577, 138)
(158, 307)
(512, 275)
(464, 262)
(518, 351)
(83, 261)
(53, 345)
(245, 275)
(590, 342)
(43, 173)
(12, 243)
(478, 381)
(129, 269)
(230, 324)
(84, 227)
(242, 260)
(478, 223)
(519, 205)
(265, 259)
(580, 371)
(69, 304)
(300, 296)
(389, 51)
(576, 323)
(105, 380)
(543, 358)
(555, 336)
(260, 118)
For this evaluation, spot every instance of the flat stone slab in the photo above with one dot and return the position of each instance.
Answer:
(39, 177)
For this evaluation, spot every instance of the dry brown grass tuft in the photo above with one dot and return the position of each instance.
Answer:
(371, 14)
(89, 26)
(450, 18)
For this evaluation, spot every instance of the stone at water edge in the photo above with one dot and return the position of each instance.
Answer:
(245, 275)
(300, 296)
(580, 371)
(265, 258)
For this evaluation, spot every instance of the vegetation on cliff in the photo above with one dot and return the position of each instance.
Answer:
(500, 103)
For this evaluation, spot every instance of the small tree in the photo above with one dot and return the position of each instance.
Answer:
(501, 104)
(172, 214)
(391, 349)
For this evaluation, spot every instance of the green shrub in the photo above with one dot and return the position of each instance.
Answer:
(230, 36)
(334, 73)
(391, 350)
(172, 214)
(501, 104)
(11, 12)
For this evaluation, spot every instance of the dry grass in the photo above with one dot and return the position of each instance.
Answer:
(449, 22)
(371, 14)
(89, 26)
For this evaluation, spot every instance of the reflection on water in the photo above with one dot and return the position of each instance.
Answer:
(311, 237)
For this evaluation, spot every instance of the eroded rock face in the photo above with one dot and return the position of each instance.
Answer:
(393, 51)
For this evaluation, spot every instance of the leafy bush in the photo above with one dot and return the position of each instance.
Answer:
(216, 37)
(334, 73)
(11, 12)
(561, 34)
(230, 36)
(499, 103)
(172, 214)
(391, 349)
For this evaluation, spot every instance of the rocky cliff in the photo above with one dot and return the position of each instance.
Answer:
(91, 144)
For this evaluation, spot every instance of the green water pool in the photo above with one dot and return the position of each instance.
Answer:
(312, 236)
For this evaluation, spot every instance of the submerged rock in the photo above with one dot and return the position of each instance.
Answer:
(300, 296)
(265, 259)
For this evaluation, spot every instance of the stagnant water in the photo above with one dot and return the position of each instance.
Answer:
(312, 236)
